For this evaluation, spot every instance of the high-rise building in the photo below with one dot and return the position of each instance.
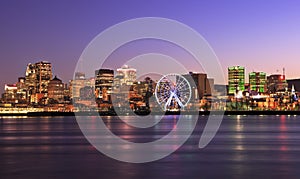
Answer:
(37, 78)
(126, 75)
(236, 79)
(203, 85)
(276, 82)
(76, 84)
(103, 84)
(257, 82)
(21, 90)
(43, 76)
(30, 81)
(210, 86)
(56, 90)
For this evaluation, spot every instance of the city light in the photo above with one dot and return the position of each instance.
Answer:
(106, 92)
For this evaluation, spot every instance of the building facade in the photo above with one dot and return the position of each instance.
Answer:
(10, 93)
(37, 78)
(201, 85)
(276, 83)
(76, 84)
(258, 82)
(43, 76)
(126, 75)
(56, 90)
(21, 90)
(236, 79)
(30, 81)
(103, 84)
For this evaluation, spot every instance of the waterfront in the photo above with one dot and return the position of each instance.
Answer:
(245, 146)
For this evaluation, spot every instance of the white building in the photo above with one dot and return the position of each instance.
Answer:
(126, 75)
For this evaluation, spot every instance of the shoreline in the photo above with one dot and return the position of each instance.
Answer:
(206, 113)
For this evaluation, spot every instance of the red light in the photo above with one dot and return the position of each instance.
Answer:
(281, 77)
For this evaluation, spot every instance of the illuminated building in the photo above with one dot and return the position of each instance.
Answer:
(30, 81)
(76, 84)
(37, 78)
(56, 90)
(21, 90)
(10, 94)
(257, 82)
(276, 83)
(103, 84)
(126, 75)
(236, 79)
(43, 76)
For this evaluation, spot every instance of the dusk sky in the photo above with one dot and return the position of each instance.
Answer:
(260, 35)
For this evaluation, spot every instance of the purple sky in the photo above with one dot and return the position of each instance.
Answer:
(260, 35)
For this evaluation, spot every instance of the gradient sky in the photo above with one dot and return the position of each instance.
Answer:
(262, 35)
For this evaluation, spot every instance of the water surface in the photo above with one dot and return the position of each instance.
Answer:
(245, 146)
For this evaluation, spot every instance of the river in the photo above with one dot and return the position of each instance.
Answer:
(244, 147)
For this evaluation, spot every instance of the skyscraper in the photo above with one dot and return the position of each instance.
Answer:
(21, 90)
(76, 84)
(43, 76)
(203, 85)
(126, 75)
(236, 79)
(30, 81)
(56, 90)
(37, 78)
(103, 84)
(257, 82)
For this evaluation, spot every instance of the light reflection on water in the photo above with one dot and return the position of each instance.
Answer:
(257, 146)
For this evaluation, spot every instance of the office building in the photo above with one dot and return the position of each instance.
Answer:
(43, 76)
(56, 90)
(21, 90)
(201, 85)
(126, 75)
(37, 78)
(236, 79)
(76, 84)
(257, 82)
(103, 84)
(276, 83)
(30, 81)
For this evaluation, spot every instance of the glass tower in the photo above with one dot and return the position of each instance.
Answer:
(257, 81)
(236, 79)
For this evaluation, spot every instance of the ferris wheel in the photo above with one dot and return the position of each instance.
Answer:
(173, 92)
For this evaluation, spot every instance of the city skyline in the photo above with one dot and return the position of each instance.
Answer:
(261, 36)
(109, 88)
(127, 67)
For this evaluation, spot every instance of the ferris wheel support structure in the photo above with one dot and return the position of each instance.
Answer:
(173, 88)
